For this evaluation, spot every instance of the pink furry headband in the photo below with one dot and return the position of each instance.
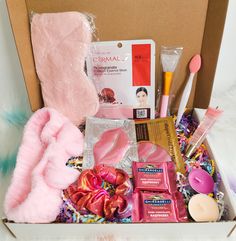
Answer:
(49, 140)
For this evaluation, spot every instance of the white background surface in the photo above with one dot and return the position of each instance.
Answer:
(13, 94)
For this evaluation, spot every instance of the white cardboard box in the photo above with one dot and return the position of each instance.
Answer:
(145, 230)
(167, 22)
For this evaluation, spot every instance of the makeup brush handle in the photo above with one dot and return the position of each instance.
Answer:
(164, 105)
(184, 99)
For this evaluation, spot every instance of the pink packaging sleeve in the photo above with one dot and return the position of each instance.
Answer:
(154, 176)
(136, 207)
(153, 207)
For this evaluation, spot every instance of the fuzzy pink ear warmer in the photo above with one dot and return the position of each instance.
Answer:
(49, 140)
(60, 44)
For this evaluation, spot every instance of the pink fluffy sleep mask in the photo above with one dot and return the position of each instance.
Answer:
(60, 44)
(49, 140)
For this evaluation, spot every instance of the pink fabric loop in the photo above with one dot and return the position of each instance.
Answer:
(49, 140)
(88, 192)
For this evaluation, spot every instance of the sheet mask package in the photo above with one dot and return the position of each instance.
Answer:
(110, 142)
(160, 132)
(115, 66)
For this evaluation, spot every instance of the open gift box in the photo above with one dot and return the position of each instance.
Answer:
(197, 25)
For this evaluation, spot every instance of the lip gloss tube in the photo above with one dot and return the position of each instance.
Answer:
(211, 116)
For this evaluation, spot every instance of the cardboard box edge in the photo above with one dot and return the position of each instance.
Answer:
(210, 47)
(4, 221)
(232, 230)
(224, 233)
(36, 99)
(34, 102)
(228, 233)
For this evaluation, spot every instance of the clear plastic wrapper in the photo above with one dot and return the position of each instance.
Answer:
(110, 142)
(169, 58)
(60, 43)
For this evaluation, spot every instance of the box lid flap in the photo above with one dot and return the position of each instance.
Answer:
(196, 25)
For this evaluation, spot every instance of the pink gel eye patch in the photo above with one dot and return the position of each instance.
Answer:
(149, 152)
(111, 147)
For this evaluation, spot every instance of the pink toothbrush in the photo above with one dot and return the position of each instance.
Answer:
(194, 67)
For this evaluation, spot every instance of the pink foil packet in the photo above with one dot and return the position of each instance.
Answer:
(154, 176)
(152, 207)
